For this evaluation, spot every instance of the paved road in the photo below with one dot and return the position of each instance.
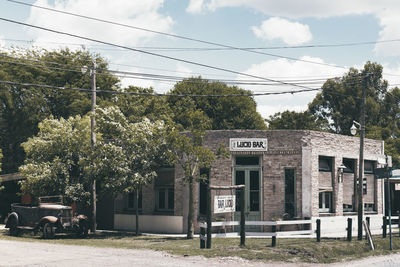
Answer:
(16, 253)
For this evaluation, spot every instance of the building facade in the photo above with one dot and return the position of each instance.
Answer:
(288, 174)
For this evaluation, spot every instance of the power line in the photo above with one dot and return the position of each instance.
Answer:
(173, 35)
(156, 94)
(195, 49)
(151, 53)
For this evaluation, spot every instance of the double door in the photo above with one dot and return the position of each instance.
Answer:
(251, 178)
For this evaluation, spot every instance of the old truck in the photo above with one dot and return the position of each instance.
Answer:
(50, 216)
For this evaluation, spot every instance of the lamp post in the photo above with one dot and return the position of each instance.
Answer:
(353, 130)
(92, 129)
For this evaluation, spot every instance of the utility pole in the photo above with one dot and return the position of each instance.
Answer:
(361, 166)
(93, 135)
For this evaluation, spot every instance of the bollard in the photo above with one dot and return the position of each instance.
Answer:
(273, 242)
(349, 228)
(384, 227)
(318, 230)
(202, 237)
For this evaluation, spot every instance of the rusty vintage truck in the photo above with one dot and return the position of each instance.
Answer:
(50, 216)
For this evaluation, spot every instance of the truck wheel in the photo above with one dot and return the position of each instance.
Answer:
(48, 230)
(14, 231)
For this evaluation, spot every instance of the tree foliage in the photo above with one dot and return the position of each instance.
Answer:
(339, 102)
(22, 107)
(294, 121)
(233, 112)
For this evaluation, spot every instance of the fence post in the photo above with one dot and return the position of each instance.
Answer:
(202, 237)
(318, 230)
(384, 227)
(273, 241)
(349, 228)
(398, 222)
(242, 219)
(209, 215)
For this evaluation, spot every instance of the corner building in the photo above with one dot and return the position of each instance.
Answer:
(288, 174)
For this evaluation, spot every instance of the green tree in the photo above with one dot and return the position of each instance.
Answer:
(338, 103)
(191, 155)
(128, 155)
(233, 112)
(140, 103)
(294, 121)
(22, 107)
(54, 162)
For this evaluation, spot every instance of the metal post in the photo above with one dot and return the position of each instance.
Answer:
(349, 228)
(384, 227)
(242, 219)
(202, 237)
(389, 208)
(93, 136)
(208, 217)
(273, 242)
(361, 166)
(318, 230)
(368, 224)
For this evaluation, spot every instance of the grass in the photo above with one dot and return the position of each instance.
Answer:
(286, 250)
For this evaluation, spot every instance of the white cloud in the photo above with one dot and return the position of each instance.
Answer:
(389, 20)
(137, 13)
(307, 8)
(195, 6)
(292, 33)
(287, 71)
(392, 75)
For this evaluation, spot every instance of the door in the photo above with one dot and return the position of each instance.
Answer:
(250, 177)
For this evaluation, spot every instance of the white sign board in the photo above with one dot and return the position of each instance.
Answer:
(397, 187)
(248, 144)
(396, 173)
(224, 203)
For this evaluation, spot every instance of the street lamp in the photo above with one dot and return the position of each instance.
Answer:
(353, 130)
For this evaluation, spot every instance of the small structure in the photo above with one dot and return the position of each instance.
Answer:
(290, 174)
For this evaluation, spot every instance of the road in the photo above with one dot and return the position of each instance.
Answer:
(16, 253)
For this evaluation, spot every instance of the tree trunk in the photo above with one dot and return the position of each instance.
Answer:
(137, 212)
(190, 213)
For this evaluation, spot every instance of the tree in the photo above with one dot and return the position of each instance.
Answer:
(233, 112)
(294, 121)
(22, 107)
(128, 154)
(338, 103)
(55, 162)
(191, 155)
(141, 103)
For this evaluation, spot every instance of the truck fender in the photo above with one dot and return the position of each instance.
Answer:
(50, 219)
(12, 214)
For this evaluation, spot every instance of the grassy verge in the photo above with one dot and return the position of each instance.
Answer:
(287, 250)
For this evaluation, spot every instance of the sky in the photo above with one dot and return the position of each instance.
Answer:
(300, 43)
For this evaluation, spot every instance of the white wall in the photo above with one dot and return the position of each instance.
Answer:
(149, 223)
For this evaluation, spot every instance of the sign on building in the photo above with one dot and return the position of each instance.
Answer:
(248, 144)
(224, 204)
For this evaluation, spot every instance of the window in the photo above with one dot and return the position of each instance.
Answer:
(364, 187)
(368, 166)
(325, 201)
(205, 174)
(248, 161)
(164, 189)
(165, 199)
(349, 165)
(325, 164)
(369, 206)
(347, 207)
(290, 192)
(131, 201)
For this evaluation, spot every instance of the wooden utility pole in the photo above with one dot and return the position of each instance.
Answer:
(360, 209)
(93, 136)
